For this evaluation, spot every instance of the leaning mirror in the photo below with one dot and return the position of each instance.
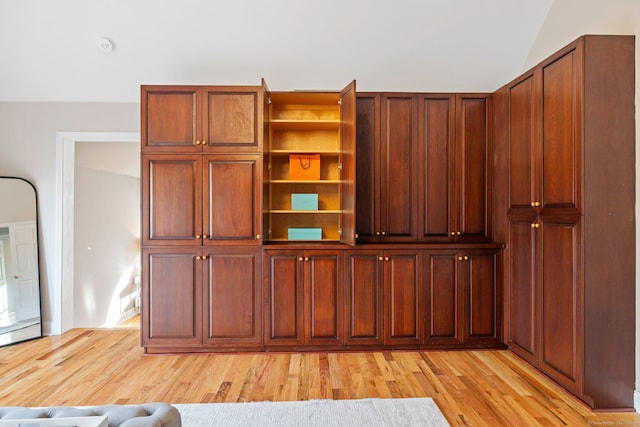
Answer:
(19, 271)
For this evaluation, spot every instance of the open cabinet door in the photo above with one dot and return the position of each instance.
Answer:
(266, 146)
(348, 162)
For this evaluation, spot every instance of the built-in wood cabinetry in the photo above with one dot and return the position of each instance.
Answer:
(570, 254)
(429, 154)
(201, 189)
(303, 297)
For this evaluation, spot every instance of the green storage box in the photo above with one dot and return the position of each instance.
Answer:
(305, 233)
(304, 202)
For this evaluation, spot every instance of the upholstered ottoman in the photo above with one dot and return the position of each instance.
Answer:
(145, 415)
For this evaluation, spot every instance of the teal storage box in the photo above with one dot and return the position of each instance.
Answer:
(305, 233)
(304, 202)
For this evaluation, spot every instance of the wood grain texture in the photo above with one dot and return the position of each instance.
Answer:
(472, 388)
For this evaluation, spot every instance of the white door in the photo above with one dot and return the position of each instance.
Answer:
(24, 282)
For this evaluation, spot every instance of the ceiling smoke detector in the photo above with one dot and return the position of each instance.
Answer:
(104, 44)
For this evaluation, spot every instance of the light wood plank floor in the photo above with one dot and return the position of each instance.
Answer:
(472, 388)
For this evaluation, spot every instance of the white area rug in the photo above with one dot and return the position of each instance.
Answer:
(312, 413)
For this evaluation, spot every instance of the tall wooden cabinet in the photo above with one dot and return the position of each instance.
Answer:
(570, 258)
(201, 217)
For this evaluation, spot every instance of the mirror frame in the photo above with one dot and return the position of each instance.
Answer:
(24, 338)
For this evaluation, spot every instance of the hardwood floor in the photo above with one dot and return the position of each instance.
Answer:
(472, 388)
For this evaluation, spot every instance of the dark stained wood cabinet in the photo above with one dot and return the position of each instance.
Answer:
(455, 173)
(570, 254)
(387, 167)
(463, 298)
(303, 297)
(202, 118)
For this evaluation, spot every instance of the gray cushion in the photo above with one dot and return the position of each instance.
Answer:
(144, 415)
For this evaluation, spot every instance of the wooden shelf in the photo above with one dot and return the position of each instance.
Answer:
(311, 151)
(305, 181)
(295, 212)
(305, 124)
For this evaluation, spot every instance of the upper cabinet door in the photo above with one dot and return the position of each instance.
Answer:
(367, 166)
(232, 118)
(169, 118)
(523, 143)
(437, 142)
(562, 131)
(472, 170)
(348, 164)
(399, 168)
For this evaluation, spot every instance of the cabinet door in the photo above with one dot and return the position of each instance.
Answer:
(283, 292)
(403, 292)
(522, 327)
(232, 199)
(232, 118)
(437, 155)
(171, 297)
(348, 163)
(171, 199)
(561, 177)
(444, 312)
(472, 169)
(399, 168)
(169, 118)
(323, 295)
(367, 167)
(233, 297)
(482, 296)
(561, 299)
(363, 297)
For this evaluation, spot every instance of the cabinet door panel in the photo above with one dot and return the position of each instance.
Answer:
(169, 118)
(522, 307)
(171, 284)
(233, 118)
(444, 299)
(436, 145)
(284, 296)
(482, 297)
(363, 305)
(172, 199)
(233, 199)
(233, 297)
(367, 166)
(561, 311)
(561, 114)
(323, 294)
(472, 168)
(348, 162)
(522, 131)
(399, 174)
(403, 288)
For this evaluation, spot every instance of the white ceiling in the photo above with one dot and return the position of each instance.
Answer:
(48, 48)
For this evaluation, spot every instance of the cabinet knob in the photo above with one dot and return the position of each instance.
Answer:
(205, 236)
(306, 258)
(377, 233)
(459, 258)
(535, 225)
(257, 237)
(459, 233)
(453, 233)
(300, 259)
(536, 204)
(466, 258)
(380, 258)
(384, 233)
(198, 236)
(386, 258)
(197, 143)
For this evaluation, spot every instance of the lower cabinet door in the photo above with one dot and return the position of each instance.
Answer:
(323, 297)
(171, 297)
(363, 297)
(232, 300)
(444, 311)
(403, 293)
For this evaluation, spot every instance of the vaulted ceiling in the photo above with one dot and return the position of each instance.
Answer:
(48, 48)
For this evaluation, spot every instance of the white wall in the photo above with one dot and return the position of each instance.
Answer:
(106, 247)
(28, 147)
(568, 20)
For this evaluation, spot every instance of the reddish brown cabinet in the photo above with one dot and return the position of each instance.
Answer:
(387, 167)
(463, 298)
(202, 118)
(454, 168)
(570, 209)
(303, 297)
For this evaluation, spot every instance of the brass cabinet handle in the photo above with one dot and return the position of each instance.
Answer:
(384, 233)
(198, 236)
(463, 258)
(380, 258)
(466, 258)
(535, 225)
(386, 258)
(377, 233)
(306, 258)
(453, 233)
(300, 259)
(204, 236)
(459, 233)
(257, 237)
(536, 204)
